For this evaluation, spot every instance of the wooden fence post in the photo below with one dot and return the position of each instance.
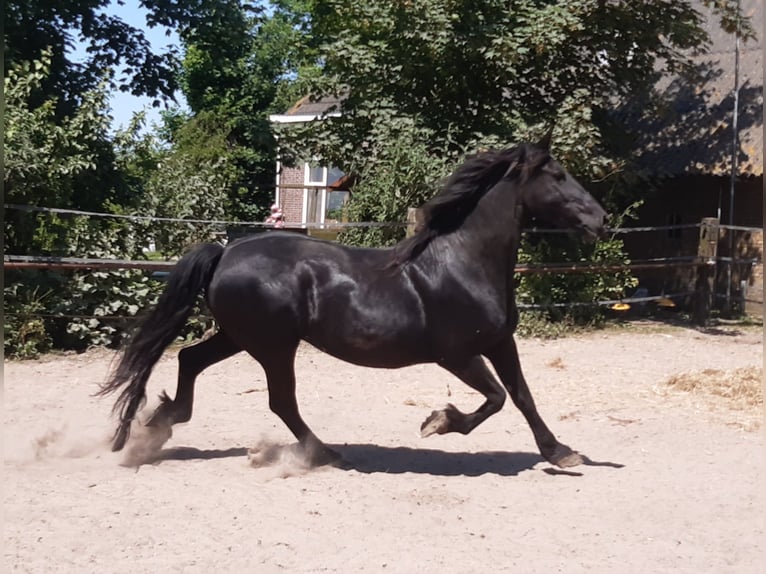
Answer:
(704, 288)
(414, 220)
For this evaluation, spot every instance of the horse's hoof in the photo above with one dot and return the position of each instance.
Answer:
(436, 423)
(565, 457)
(440, 422)
(323, 456)
(145, 444)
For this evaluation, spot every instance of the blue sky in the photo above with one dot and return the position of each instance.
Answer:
(124, 105)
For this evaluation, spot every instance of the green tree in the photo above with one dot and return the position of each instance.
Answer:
(401, 173)
(48, 161)
(239, 65)
(74, 162)
(33, 26)
(495, 72)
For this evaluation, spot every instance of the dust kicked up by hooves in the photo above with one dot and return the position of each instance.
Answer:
(145, 443)
(64, 441)
(283, 460)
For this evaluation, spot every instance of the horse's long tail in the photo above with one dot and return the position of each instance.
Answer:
(159, 329)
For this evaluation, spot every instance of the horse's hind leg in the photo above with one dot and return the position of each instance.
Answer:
(192, 361)
(505, 359)
(476, 375)
(279, 366)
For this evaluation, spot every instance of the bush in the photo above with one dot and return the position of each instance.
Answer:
(82, 310)
(24, 332)
(581, 290)
(402, 172)
(76, 163)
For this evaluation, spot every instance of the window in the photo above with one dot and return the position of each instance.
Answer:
(336, 201)
(319, 175)
(333, 175)
(315, 174)
(322, 202)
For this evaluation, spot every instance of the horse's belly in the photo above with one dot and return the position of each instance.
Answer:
(377, 359)
(369, 348)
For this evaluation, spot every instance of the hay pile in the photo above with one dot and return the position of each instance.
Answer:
(741, 389)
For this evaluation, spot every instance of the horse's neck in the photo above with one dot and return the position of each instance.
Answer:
(494, 226)
(488, 240)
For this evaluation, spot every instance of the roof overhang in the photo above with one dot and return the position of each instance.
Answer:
(300, 118)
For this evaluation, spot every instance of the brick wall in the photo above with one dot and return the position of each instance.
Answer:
(291, 200)
(292, 205)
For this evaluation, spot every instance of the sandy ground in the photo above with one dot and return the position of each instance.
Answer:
(680, 488)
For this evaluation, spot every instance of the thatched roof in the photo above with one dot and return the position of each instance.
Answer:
(695, 134)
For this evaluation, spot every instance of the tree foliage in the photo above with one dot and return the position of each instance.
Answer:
(423, 84)
(48, 161)
(476, 72)
(401, 172)
(239, 65)
(73, 162)
(32, 27)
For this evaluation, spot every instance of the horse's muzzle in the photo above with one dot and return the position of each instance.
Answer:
(594, 229)
(592, 233)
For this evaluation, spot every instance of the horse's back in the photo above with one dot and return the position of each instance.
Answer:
(285, 252)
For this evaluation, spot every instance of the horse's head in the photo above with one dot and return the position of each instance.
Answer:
(551, 196)
(487, 191)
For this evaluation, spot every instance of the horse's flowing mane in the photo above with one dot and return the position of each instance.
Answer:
(460, 193)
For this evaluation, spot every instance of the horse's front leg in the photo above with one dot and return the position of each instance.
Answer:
(505, 359)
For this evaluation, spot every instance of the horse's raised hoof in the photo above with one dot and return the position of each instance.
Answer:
(164, 414)
(565, 457)
(441, 422)
(158, 418)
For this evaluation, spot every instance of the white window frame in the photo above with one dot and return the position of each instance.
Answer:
(307, 176)
(309, 184)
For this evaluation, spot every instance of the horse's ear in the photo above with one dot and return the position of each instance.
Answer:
(545, 141)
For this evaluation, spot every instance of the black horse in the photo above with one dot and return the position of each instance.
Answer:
(444, 295)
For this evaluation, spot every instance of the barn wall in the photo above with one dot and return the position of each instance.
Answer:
(687, 200)
(754, 290)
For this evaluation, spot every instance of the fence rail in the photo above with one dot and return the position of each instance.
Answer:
(704, 261)
(44, 262)
(330, 225)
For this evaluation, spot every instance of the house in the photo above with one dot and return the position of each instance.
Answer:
(310, 194)
(691, 150)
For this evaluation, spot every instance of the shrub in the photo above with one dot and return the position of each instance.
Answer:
(24, 332)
